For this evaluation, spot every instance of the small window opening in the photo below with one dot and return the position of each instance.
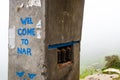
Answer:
(65, 54)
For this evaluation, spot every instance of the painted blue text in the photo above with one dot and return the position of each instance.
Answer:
(25, 41)
(24, 51)
(27, 20)
(26, 31)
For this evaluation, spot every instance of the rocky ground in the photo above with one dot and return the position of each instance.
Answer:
(101, 77)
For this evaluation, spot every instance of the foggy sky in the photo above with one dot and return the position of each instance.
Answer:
(101, 29)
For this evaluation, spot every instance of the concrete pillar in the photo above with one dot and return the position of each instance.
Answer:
(37, 29)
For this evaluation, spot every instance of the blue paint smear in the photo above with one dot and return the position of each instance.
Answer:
(62, 44)
(24, 79)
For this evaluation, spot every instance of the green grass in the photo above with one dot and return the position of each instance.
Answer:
(84, 74)
(87, 73)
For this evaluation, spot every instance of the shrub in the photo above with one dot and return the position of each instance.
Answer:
(112, 62)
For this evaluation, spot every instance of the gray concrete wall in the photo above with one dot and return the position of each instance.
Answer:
(26, 64)
(64, 20)
(64, 24)
(51, 22)
(69, 72)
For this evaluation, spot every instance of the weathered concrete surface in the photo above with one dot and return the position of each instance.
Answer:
(61, 23)
(64, 20)
(28, 64)
(70, 72)
(64, 24)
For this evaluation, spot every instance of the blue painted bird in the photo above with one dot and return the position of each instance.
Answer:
(31, 76)
(20, 74)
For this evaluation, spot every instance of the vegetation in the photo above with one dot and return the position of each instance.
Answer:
(112, 62)
(85, 73)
